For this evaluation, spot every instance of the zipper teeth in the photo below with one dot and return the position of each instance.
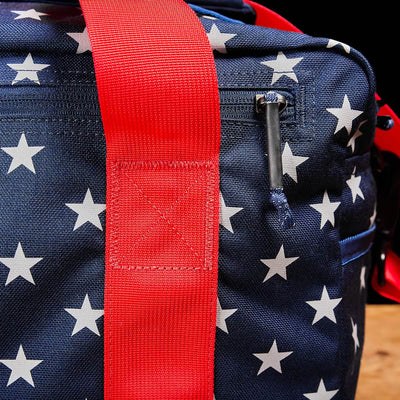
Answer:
(238, 106)
(246, 97)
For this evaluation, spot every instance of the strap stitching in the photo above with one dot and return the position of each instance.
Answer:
(117, 167)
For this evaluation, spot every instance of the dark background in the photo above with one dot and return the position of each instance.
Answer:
(373, 28)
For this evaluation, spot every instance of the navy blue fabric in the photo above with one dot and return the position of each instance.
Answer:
(265, 306)
(236, 9)
(356, 246)
(231, 8)
(212, 13)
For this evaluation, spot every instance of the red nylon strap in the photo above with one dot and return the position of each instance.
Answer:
(159, 102)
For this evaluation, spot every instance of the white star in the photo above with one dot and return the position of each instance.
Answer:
(21, 367)
(283, 66)
(33, 14)
(321, 393)
(354, 335)
(82, 38)
(278, 265)
(87, 211)
(324, 307)
(27, 70)
(225, 213)
(22, 154)
(354, 184)
(372, 218)
(218, 40)
(357, 134)
(222, 315)
(333, 43)
(20, 265)
(326, 209)
(345, 115)
(272, 359)
(290, 162)
(362, 278)
(85, 317)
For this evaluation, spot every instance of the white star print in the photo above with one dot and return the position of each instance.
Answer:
(21, 367)
(357, 134)
(278, 265)
(32, 13)
(85, 317)
(19, 265)
(22, 154)
(372, 218)
(324, 307)
(354, 335)
(333, 43)
(222, 315)
(209, 17)
(272, 359)
(87, 211)
(283, 66)
(354, 184)
(218, 40)
(225, 213)
(326, 209)
(290, 162)
(82, 38)
(321, 393)
(362, 278)
(345, 115)
(27, 70)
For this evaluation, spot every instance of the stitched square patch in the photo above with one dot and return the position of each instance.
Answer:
(161, 214)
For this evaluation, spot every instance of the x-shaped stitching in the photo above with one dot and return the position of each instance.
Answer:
(163, 215)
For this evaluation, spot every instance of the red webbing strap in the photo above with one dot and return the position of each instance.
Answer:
(159, 102)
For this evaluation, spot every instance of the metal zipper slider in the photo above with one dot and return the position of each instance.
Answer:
(271, 104)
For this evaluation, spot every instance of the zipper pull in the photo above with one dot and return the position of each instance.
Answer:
(271, 104)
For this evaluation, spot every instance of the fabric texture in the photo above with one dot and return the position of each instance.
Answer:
(162, 197)
(290, 316)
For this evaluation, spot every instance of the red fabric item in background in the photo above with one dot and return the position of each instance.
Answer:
(392, 278)
(159, 101)
(389, 140)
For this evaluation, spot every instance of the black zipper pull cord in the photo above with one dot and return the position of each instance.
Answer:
(271, 105)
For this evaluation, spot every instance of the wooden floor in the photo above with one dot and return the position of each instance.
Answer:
(380, 364)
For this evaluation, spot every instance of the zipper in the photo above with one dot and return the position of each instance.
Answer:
(272, 104)
(237, 105)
